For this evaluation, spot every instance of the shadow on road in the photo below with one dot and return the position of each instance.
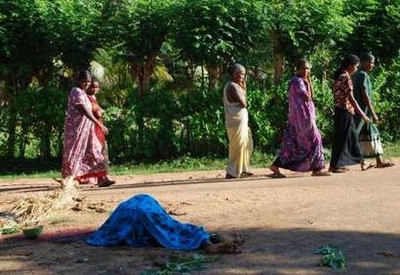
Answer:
(265, 251)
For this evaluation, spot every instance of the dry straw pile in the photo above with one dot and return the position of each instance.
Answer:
(33, 210)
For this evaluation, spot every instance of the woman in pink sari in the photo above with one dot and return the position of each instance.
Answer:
(83, 158)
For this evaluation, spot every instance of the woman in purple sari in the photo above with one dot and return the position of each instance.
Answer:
(302, 149)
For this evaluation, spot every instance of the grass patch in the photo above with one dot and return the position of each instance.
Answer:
(182, 264)
(332, 256)
(391, 150)
(186, 163)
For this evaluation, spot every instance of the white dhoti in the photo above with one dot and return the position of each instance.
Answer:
(240, 149)
(240, 138)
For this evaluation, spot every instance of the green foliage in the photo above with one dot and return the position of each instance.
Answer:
(300, 22)
(304, 28)
(216, 32)
(387, 98)
(22, 22)
(182, 124)
(45, 122)
(9, 230)
(73, 25)
(115, 80)
(331, 257)
(392, 149)
(139, 30)
(323, 100)
(122, 124)
(182, 264)
(155, 59)
(203, 117)
(267, 116)
(377, 28)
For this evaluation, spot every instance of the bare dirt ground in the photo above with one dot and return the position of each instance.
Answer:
(282, 221)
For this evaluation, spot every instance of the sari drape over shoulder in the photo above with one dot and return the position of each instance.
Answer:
(97, 114)
(141, 221)
(302, 148)
(368, 134)
(82, 154)
(239, 135)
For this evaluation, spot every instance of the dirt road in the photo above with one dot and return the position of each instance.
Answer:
(282, 221)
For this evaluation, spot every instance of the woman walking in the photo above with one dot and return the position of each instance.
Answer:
(82, 156)
(368, 134)
(302, 148)
(346, 148)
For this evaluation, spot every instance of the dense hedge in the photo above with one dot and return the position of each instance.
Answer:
(168, 124)
(162, 65)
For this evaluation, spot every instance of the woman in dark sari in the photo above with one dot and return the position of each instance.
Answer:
(346, 148)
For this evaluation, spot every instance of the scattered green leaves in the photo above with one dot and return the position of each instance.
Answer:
(9, 230)
(182, 264)
(331, 256)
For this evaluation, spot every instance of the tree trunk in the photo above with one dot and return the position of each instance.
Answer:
(11, 128)
(278, 56)
(214, 76)
(45, 143)
(143, 72)
(23, 140)
(12, 118)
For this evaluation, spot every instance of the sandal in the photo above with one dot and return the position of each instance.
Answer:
(384, 165)
(276, 176)
(246, 174)
(320, 174)
(365, 168)
(105, 183)
(339, 170)
(345, 169)
(229, 176)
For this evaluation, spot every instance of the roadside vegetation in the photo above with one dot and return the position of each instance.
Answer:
(162, 66)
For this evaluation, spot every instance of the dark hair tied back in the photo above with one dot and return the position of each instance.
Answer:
(84, 74)
(367, 57)
(346, 62)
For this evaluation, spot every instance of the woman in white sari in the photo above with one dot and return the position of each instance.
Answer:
(236, 122)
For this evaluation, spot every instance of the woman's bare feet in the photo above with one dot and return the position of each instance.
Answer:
(222, 248)
(236, 238)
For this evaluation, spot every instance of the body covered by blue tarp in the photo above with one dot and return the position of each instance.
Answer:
(141, 221)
